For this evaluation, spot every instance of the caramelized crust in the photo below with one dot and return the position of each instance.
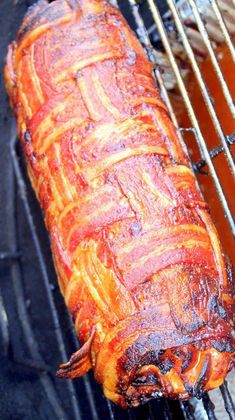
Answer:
(138, 259)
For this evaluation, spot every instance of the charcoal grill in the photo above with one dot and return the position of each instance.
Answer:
(36, 332)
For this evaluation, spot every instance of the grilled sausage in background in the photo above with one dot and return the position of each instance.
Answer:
(138, 258)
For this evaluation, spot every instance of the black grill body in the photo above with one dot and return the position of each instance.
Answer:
(36, 332)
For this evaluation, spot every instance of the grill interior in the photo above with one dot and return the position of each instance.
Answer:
(36, 332)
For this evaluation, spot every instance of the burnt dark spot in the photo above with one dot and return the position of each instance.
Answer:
(165, 366)
(186, 307)
(149, 358)
(189, 388)
(129, 401)
(198, 393)
(122, 385)
(179, 353)
(190, 24)
(139, 380)
(131, 357)
(189, 326)
(223, 346)
(187, 360)
(150, 379)
(213, 304)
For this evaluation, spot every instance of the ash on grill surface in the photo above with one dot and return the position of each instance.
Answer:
(36, 332)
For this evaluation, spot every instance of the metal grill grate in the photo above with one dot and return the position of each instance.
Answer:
(144, 38)
(162, 408)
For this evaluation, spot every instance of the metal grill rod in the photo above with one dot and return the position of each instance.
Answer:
(187, 410)
(200, 139)
(223, 28)
(209, 407)
(143, 35)
(211, 52)
(4, 328)
(198, 75)
(201, 82)
(9, 255)
(228, 402)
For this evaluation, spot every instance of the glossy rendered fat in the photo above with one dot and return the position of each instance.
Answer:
(137, 256)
